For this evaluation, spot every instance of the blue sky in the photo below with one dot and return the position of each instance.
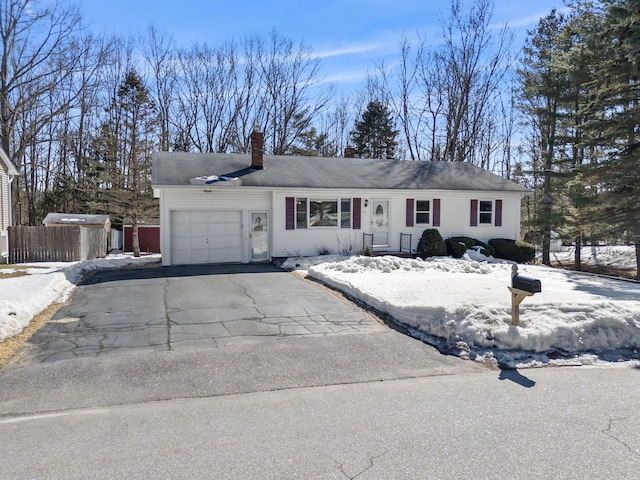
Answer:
(350, 35)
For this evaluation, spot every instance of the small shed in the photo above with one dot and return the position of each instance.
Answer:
(79, 219)
(98, 222)
(556, 242)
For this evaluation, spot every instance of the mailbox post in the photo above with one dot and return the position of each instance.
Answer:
(521, 287)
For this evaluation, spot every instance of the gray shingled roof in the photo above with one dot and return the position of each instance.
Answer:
(74, 219)
(181, 169)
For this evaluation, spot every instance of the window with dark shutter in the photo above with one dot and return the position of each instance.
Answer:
(473, 220)
(357, 213)
(410, 212)
(290, 208)
(498, 221)
(436, 212)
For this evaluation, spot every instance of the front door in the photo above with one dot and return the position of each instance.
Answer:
(259, 237)
(380, 222)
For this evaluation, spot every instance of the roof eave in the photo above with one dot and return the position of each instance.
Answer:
(11, 169)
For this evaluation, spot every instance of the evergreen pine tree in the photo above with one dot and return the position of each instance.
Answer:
(374, 135)
(122, 153)
(615, 123)
(543, 89)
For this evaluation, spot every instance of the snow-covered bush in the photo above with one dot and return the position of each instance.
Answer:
(517, 251)
(457, 246)
(431, 244)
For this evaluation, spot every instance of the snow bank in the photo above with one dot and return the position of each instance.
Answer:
(21, 298)
(467, 306)
(618, 256)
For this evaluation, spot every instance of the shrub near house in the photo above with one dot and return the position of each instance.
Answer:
(517, 251)
(431, 244)
(457, 246)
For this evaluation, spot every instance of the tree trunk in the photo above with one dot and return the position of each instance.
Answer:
(637, 244)
(135, 241)
(578, 253)
(546, 247)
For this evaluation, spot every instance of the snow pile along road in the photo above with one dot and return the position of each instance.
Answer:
(466, 305)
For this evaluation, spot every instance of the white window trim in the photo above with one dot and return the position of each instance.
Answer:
(416, 211)
(338, 201)
(492, 212)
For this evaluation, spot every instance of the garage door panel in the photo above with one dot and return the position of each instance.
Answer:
(180, 218)
(234, 230)
(217, 217)
(206, 237)
(181, 243)
(200, 255)
(199, 218)
(199, 230)
(231, 217)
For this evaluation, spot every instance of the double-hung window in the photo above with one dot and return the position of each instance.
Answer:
(423, 210)
(301, 213)
(345, 213)
(485, 212)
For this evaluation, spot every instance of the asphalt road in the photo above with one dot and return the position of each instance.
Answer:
(565, 423)
(148, 374)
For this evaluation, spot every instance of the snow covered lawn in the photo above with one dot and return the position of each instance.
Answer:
(464, 307)
(21, 298)
(618, 256)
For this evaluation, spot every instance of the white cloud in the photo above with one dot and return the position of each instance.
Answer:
(352, 49)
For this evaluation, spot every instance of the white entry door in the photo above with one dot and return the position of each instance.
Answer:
(259, 237)
(380, 222)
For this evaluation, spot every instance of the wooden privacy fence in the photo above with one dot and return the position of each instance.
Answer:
(56, 244)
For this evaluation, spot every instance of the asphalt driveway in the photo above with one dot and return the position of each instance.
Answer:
(158, 333)
(174, 308)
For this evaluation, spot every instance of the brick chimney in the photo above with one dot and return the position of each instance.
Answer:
(349, 152)
(257, 148)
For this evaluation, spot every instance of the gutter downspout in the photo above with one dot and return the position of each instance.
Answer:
(11, 177)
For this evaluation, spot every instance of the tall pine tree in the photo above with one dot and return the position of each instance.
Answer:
(374, 135)
(615, 122)
(123, 156)
(543, 85)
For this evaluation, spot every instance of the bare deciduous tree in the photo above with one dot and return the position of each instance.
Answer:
(36, 59)
(473, 64)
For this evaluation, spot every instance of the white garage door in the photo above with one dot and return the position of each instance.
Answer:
(205, 237)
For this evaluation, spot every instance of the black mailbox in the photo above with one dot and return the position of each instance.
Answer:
(526, 284)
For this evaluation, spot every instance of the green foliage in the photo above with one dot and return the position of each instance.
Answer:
(374, 136)
(431, 244)
(455, 248)
(615, 122)
(557, 67)
(312, 144)
(469, 243)
(517, 251)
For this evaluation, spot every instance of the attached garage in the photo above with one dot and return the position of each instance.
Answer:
(206, 237)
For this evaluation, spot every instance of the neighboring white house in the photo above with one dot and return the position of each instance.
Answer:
(217, 208)
(7, 173)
